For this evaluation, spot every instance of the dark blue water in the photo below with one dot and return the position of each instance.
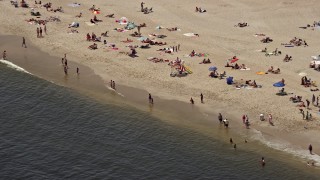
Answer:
(51, 132)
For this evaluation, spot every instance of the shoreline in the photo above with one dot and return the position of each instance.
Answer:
(101, 67)
(185, 116)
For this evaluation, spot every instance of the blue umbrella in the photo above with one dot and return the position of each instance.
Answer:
(213, 68)
(279, 84)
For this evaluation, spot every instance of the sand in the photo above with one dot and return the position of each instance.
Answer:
(218, 37)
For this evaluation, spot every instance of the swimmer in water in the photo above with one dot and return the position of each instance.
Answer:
(263, 163)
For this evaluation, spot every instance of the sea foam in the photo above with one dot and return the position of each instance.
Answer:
(286, 147)
(13, 66)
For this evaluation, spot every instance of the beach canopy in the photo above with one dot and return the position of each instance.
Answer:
(130, 26)
(279, 84)
(213, 68)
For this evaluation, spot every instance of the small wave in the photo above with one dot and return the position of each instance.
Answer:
(286, 147)
(114, 91)
(13, 66)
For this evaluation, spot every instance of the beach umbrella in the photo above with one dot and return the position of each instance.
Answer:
(213, 68)
(303, 74)
(279, 84)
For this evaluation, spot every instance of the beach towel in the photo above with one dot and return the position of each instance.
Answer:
(74, 5)
(90, 24)
(189, 34)
(245, 69)
(260, 73)
(288, 45)
(234, 60)
(279, 84)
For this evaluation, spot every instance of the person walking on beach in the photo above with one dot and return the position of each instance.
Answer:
(313, 99)
(77, 70)
(45, 29)
(191, 100)
(317, 101)
(231, 141)
(150, 97)
(201, 97)
(226, 123)
(38, 32)
(270, 119)
(310, 148)
(24, 42)
(303, 115)
(220, 118)
(308, 103)
(178, 47)
(4, 55)
(111, 84)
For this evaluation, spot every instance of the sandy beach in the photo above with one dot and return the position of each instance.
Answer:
(218, 37)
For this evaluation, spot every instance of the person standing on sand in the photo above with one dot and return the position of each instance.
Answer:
(313, 99)
(24, 42)
(317, 101)
(114, 85)
(77, 70)
(111, 84)
(191, 100)
(45, 29)
(310, 148)
(178, 47)
(142, 3)
(38, 32)
(4, 55)
(201, 97)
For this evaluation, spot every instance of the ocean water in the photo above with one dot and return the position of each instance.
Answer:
(52, 132)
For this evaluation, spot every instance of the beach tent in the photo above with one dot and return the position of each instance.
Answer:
(213, 68)
(130, 26)
(279, 84)
(229, 80)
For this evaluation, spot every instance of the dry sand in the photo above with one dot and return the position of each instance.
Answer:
(278, 19)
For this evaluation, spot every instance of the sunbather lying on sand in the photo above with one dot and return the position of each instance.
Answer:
(155, 60)
(271, 70)
(172, 29)
(93, 46)
(73, 31)
(105, 34)
(241, 25)
(157, 43)
(79, 15)
(200, 10)
(110, 15)
(95, 19)
(266, 40)
(127, 41)
(135, 34)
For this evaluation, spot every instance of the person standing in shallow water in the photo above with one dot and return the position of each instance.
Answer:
(191, 101)
(263, 162)
(4, 55)
(201, 97)
(310, 148)
(150, 98)
(220, 118)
